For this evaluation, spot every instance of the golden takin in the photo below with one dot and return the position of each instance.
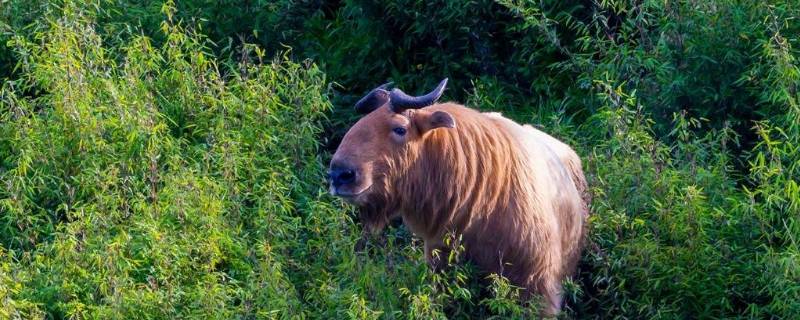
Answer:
(515, 195)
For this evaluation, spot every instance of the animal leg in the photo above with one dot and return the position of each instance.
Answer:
(550, 289)
(549, 296)
(436, 255)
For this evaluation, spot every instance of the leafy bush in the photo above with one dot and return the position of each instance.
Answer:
(162, 160)
(142, 182)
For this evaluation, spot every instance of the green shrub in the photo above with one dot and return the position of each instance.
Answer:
(143, 182)
(162, 160)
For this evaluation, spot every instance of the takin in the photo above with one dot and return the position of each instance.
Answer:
(516, 196)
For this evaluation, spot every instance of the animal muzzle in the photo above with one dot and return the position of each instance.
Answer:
(341, 176)
(347, 180)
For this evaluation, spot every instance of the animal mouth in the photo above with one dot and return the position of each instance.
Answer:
(349, 196)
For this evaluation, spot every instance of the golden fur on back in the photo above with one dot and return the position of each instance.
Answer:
(516, 195)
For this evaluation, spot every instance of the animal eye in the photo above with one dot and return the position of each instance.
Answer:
(400, 131)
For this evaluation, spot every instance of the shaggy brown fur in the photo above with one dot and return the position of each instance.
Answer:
(516, 195)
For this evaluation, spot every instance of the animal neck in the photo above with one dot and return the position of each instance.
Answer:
(457, 174)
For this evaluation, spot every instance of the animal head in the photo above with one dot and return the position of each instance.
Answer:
(384, 142)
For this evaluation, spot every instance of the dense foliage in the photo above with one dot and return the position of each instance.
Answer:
(164, 159)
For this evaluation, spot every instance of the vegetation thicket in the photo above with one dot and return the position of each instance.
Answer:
(165, 159)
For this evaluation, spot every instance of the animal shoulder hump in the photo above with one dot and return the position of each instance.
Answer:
(556, 145)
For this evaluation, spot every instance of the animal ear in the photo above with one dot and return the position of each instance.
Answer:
(437, 119)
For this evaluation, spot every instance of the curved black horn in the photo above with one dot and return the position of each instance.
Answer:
(401, 101)
(374, 99)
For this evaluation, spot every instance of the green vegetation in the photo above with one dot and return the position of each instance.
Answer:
(164, 159)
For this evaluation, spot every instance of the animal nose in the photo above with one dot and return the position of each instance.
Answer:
(342, 176)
